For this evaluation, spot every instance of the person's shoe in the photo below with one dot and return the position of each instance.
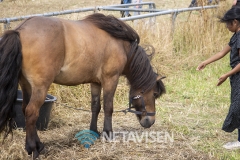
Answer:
(191, 5)
(232, 145)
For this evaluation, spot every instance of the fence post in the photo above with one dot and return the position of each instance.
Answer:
(174, 16)
(1, 29)
(7, 24)
(152, 20)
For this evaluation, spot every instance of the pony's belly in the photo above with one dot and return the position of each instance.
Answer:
(75, 78)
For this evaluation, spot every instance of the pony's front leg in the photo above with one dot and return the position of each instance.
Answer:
(109, 89)
(95, 105)
(108, 110)
(33, 144)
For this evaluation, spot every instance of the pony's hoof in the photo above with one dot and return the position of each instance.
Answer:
(96, 131)
(28, 149)
(35, 155)
(40, 147)
(108, 135)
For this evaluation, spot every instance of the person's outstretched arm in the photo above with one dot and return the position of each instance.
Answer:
(214, 58)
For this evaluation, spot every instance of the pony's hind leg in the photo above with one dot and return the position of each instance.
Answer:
(95, 105)
(33, 144)
(26, 92)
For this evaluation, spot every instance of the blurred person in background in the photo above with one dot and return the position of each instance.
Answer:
(137, 6)
(236, 2)
(125, 13)
(194, 3)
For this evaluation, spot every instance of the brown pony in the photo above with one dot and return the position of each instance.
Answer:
(96, 50)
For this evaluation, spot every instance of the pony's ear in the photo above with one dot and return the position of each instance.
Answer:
(160, 88)
(160, 77)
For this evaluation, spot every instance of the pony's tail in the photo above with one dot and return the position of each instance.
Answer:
(10, 67)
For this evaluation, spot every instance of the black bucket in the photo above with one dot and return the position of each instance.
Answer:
(44, 114)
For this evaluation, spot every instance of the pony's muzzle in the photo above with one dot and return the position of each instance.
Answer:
(147, 122)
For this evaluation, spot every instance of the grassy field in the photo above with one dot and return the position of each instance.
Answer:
(192, 111)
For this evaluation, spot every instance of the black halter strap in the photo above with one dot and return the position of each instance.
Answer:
(144, 111)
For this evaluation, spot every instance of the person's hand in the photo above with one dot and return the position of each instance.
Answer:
(234, 2)
(222, 79)
(201, 66)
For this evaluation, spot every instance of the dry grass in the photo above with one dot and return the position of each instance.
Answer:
(192, 110)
